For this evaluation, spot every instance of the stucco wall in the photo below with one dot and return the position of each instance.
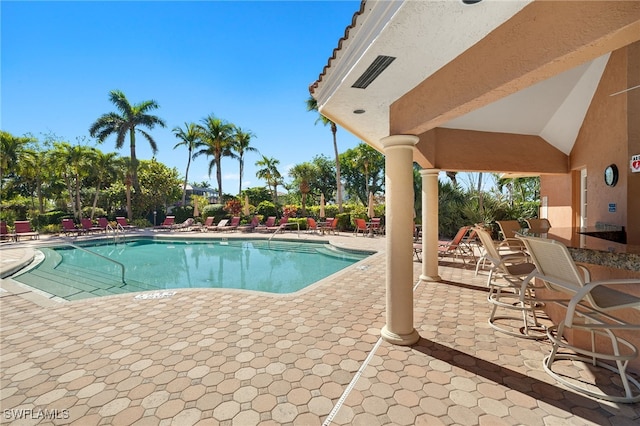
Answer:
(603, 139)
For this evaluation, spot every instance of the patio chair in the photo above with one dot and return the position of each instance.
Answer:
(23, 229)
(122, 221)
(539, 226)
(509, 230)
(167, 223)
(361, 226)
(312, 225)
(515, 292)
(87, 226)
(457, 246)
(376, 226)
(4, 232)
(69, 228)
(588, 309)
(219, 227)
(331, 225)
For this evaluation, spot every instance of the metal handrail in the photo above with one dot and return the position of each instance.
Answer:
(283, 226)
(90, 252)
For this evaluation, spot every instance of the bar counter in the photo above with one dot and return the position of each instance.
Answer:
(586, 248)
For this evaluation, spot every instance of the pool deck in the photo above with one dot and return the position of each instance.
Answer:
(232, 357)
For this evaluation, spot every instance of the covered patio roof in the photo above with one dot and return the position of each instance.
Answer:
(494, 80)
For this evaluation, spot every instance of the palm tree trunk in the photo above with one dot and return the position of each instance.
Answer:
(134, 162)
(334, 130)
(219, 176)
(95, 199)
(186, 177)
(241, 172)
(78, 202)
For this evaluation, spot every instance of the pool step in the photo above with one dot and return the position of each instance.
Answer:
(73, 283)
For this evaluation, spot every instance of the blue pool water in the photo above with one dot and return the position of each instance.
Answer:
(275, 267)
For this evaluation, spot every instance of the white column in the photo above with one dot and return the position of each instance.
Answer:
(429, 225)
(398, 151)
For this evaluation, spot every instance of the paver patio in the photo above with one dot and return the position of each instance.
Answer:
(207, 356)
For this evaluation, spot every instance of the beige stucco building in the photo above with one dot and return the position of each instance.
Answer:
(548, 88)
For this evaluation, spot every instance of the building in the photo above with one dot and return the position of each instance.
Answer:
(548, 88)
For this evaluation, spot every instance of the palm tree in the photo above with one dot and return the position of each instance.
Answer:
(104, 166)
(241, 141)
(215, 141)
(312, 105)
(126, 122)
(269, 172)
(11, 148)
(304, 173)
(189, 137)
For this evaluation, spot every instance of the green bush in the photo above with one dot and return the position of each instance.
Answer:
(141, 223)
(266, 209)
(99, 212)
(301, 221)
(51, 229)
(55, 217)
(214, 210)
(344, 222)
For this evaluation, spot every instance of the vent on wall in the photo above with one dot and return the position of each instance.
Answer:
(373, 71)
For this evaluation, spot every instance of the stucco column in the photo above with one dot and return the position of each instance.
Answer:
(429, 225)
(398, 151)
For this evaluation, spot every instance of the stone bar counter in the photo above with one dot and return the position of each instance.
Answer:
(587, 247)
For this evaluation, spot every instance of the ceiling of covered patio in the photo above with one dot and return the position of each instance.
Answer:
(505, 83)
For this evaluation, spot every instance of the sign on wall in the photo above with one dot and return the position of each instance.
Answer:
(635, 163)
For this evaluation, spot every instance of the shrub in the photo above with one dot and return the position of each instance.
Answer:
(215, 210)
(344, 222)
(301, 221)
(266, 209)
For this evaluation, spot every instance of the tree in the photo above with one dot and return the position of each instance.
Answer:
(270, 174)
(363, 171)
(127, 122)
(216, 139)
(312, 105)
(304, 174)
(241, 145)
(10, 150)
(104, 167)
(189, 137)
(325, 182)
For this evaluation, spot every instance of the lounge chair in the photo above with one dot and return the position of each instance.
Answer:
(122, 221)
(515, 292)
(167, 223)
(23, 229)
(187, 225)
(233, 225)
(361, 226)
(69, 228)
(219, 227)
(208, 223)
(457, 246)
(4, 232)
(250, 226)
(269, 223)
(87, 226)
(103, 223)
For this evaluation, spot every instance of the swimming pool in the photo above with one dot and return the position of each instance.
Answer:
(274, 267)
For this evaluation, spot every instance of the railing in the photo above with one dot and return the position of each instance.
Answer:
(115, 231)
(284, 226)
(93, 253)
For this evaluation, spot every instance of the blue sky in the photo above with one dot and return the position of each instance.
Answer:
(248, 62)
